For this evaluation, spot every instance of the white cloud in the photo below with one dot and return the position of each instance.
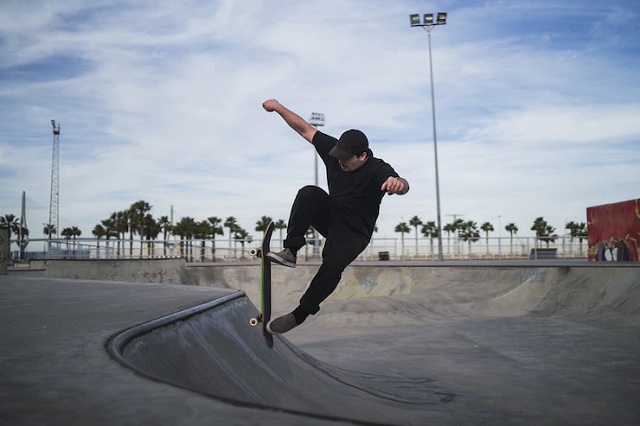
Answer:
(161, 101)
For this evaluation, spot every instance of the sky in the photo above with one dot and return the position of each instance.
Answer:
(537, 106)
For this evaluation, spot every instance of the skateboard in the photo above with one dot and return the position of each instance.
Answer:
(265, 285)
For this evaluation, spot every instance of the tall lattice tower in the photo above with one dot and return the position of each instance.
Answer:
(54, 208)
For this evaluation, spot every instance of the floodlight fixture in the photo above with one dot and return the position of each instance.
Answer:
(317, 119)
(428, 20)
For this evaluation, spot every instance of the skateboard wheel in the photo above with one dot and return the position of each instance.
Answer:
(255, 320)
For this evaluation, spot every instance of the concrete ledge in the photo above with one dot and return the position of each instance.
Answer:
(161, 271)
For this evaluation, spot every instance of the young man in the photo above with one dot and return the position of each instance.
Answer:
(346, 216)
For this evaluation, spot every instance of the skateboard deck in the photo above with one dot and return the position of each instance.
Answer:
(265, 285)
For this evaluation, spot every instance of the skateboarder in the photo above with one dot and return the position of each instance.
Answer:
(346, 216)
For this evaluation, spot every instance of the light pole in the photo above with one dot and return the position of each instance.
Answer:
(316, 120)
(428, 24)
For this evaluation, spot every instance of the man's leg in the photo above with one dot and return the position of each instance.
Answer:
(311, 207)
(341, 248)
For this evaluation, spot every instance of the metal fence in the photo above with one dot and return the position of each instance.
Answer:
(221, 250)
(485, 248)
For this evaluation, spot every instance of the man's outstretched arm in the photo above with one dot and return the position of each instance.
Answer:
(294, 121)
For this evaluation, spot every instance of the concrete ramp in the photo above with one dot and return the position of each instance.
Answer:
(211, 349)
(472, 344)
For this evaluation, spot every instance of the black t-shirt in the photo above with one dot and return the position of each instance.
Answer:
(357, 194)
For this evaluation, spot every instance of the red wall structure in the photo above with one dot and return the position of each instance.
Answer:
(614, 231)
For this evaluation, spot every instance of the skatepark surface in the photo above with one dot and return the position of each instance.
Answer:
(468, 343)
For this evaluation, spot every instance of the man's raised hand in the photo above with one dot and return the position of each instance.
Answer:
(270, 105)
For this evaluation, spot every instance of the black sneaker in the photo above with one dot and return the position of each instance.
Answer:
(282, 324)
(284, 257)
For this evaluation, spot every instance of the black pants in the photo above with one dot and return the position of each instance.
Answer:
(314, 207)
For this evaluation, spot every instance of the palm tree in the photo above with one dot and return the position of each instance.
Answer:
(166, 227)
(67, 233)
(430, 230)
(10, 222)
(49, 229)
(231, 223)
(458, 224)
(242, 236)
(455, 227)
(75, 232)
(415, 222)
(109, 226)
(120, 225)
(190, 226)
(544, 231)
(449, 228)
(577, 230)
(99, 232)
(469, 232)
(216, 229)
(151, 230)
(179, 230)
(137, 214)
(280, 225)
(262, 224)
(583, 233)
(511, 228)
(202, 232)
(487, 227)
(186, 229)
(403, 228)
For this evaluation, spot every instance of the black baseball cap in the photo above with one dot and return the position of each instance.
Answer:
(352, 142)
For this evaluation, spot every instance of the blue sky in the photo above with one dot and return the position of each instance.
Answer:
(537, 105)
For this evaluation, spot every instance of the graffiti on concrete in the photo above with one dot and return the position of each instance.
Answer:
(613, 251)
(156, 276)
